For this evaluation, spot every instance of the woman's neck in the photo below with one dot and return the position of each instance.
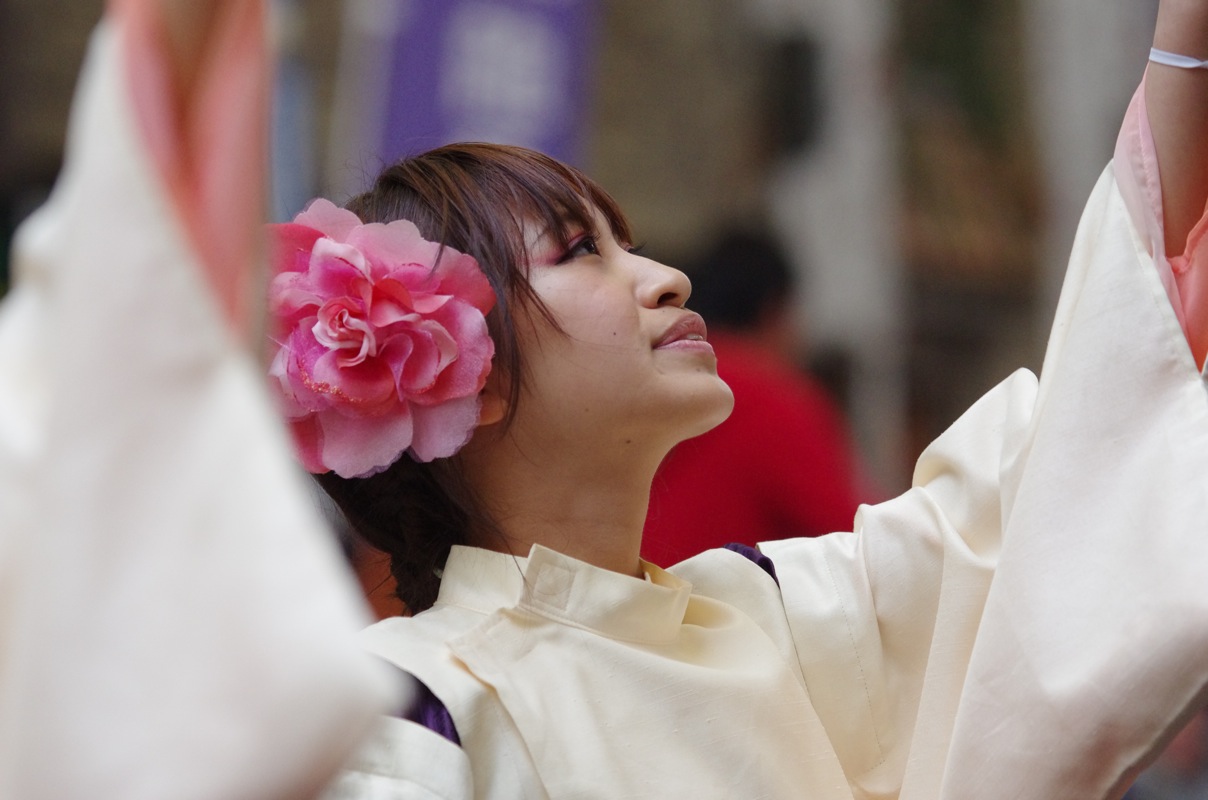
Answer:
(584, 507)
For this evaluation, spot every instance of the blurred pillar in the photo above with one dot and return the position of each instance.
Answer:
(295, 154)
(836, 206)
(358, 107)
(1085, 59)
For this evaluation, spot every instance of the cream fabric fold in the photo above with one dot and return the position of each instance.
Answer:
(1029, 620)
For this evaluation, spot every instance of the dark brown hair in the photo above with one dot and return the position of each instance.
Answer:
(479, 199)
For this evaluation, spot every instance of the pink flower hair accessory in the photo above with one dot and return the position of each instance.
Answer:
(382, 341)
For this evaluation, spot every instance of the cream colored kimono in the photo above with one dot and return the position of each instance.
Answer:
(1027, 621)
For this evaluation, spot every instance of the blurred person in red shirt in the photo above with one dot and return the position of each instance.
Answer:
(783, 464)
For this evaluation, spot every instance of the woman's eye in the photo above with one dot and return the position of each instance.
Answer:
(586, 246)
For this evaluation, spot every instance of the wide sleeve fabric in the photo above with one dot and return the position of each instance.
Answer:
(176, 622)
(1029, 620)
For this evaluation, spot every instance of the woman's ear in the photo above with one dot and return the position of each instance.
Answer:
(492, 405)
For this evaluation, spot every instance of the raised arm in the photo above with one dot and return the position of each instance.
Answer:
(176, 616)
(1177, 101)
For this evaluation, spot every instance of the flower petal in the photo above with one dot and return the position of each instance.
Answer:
(358, 446)
(334, 265)
(442, 430)
(460, 275)
(290, 246)
(282, 388)
(427, 303)
(368, 385)
(340, 327)
(394, 243)
(290, 297)
(329, 218)
(414, 361)
(468, 373)
(392, 303)
(297, 381)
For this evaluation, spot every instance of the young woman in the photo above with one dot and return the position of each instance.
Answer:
(1026, 621)
(493, 390)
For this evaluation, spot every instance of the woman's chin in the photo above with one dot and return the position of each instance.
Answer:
(710, 409)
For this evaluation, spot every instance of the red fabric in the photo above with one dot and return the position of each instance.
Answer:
(780, 466)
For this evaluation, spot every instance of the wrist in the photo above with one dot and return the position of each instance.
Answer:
(1182, 27)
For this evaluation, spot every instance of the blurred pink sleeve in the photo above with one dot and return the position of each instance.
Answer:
(1184, 275)
(211, 157)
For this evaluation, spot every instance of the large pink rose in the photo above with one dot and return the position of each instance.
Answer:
(382, 347)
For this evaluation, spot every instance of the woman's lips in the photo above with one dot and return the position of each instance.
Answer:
(687, 333)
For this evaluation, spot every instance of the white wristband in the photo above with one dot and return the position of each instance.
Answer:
(1175, 60)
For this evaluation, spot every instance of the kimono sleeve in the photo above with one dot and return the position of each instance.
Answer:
(1029, 619)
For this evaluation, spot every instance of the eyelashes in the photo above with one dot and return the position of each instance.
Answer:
(588, 244)
(584, 245)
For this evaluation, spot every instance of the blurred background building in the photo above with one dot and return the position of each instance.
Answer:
(924, 161)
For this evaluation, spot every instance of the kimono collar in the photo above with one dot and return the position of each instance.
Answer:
(572, 592)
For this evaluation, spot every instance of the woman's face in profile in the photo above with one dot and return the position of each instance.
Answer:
(633, 361)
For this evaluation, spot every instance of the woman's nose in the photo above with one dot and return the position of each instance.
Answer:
(663, 285)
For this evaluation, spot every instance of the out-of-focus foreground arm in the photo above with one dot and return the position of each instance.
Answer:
(175, 620)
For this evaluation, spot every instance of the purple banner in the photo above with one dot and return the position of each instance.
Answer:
(506, 71)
